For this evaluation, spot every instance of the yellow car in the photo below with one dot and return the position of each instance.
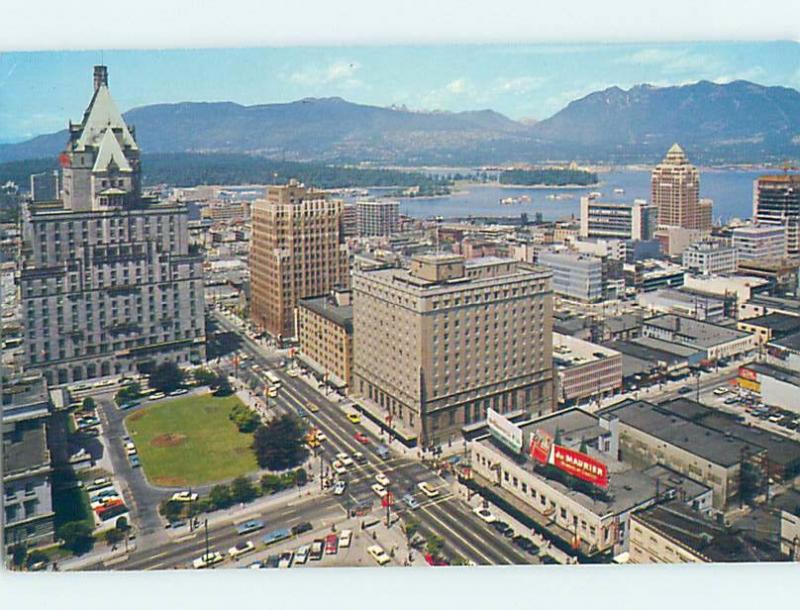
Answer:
(312, 407)
(354, 418)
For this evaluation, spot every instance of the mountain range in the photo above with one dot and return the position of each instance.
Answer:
(736, 122)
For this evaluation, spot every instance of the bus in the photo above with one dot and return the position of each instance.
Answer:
(273, 379)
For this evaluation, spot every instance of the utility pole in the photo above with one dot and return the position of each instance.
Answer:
(206, 529)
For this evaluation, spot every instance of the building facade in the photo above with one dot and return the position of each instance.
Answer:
(377, 218)
(675, 191)
(575, 276)
(709, 257)
(325, 333)
(439, 343)
(586, 371)
(109, 283)
(759, 242)
(617, 220)
(776, 201)
(297, 251)
(45, 186)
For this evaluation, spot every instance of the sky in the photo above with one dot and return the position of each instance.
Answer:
(41, 91)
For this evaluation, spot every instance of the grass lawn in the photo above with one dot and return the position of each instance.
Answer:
(191, 441)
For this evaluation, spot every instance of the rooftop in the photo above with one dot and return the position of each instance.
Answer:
(702, 334)
(25, 448)
(325, 306)
(780, 324)
(25, 398)
(569, 351)
(690, 529)
(659, 422)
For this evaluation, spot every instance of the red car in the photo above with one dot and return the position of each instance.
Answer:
(331, 544)
(362, 438)
(436, 561)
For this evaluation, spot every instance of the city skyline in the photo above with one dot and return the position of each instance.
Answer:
(520, 81)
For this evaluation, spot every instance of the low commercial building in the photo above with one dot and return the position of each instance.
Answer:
(683, 303)
(27, 466)
(648, 275)
(586, 371)
(560, 471)
(780, 273)
(775, 385)
(325, 331)
(670, 532)
(716, 341)
(770, 326)
(651, 434)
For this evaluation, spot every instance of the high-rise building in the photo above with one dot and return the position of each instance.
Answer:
(377, 218)
(776, 201)
(675, 190)
(575, 276)
(438, 344)
(45, 186)
(297, 251)
(760, 242)
(617, 220)
(109, 284)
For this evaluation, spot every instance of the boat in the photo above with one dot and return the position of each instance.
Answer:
(619, 191)
(516, 200)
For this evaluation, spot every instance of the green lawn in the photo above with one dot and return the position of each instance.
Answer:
(191, 441)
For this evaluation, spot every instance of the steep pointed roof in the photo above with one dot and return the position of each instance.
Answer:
(102, 114)
(675, 149)
(109, 152)
(676, 155)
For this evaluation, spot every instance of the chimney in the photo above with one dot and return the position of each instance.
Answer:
(100, 77)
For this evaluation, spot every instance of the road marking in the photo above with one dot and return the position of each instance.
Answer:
(457, 535)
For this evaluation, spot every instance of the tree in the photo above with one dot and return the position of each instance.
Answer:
(166, 377)
(223, 386)
(280, 444)
(114, 536)
(435, 545)
(245, 418)
(122, 524)
(76, 537)
(220, 496)
(300, 477)
(88, 403)
(242, 490)
(171, 510)
(130, 392)
(205, 377)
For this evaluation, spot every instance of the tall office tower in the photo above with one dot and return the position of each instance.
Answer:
(776, 201)
(616, 220)
(377, 218)
(676, 191)
(436, 345)
(760, 242)
(297, 250)
(109, 283)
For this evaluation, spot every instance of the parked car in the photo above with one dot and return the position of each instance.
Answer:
(272, 561)
(241, 548)
(301, 528)
(339, 488)
(157, 396)
(338, 467)
(184, 496)
(179, 392)
(331, 544)
(134, 460)
(317, 548)
(379, 489)
(208, 559)
(345, 459)
(285, 559)
(382, 479)
(485, 514)
(359, 458)
(301, 555)
(252, 525)
(685, 390)
(345, 537)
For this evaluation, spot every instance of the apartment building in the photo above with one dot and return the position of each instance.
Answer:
(325, 333)
(297, 251)
(776, 201)
(437, 344)
(108, 280)
(377, 218)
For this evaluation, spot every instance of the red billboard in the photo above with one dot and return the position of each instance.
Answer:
(539, 450)
(580, 465)
(747, 374)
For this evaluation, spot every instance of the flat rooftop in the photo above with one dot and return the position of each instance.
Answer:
(791, 342)
(703, 334)
(661, 423)
(779, 373)
(325, 306)
(647, 352)
(780, 324)
(679, 523)
(570, 351)
(28, 449)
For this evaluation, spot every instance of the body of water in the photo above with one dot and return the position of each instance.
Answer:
(731, 190)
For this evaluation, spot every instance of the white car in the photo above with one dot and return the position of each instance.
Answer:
(428, 489)
(208, 559)
(157, 396)
(338, 467)
(179, 392)
(345, 537)
(378, 554)
(379, 489)
(345, 459)
(241, 549)
(484, 514)
(301, 555)
(382, 479)
(184, 496)
(339, 488)
(720, 391)
(292, 372)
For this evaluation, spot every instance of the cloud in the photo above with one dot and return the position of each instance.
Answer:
(752, 74)
(672, 61)
(458, 86)
(339, 72)
(520, 84)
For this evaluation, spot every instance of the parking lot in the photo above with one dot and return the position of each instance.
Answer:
(752, 411)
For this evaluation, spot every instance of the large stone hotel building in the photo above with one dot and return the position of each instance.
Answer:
(439, 343)
(109, 284)
(297, 251)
